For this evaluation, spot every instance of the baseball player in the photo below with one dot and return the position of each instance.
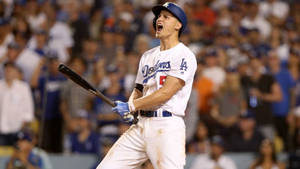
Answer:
(163, 86)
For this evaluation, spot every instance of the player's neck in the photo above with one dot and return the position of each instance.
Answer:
(168, 43)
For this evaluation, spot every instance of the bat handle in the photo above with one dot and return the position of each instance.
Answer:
(104, 98)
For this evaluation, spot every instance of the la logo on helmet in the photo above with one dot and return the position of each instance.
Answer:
(166, 4)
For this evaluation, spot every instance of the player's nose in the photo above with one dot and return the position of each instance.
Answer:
(160, 18)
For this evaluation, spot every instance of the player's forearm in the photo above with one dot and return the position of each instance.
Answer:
(171, 86)
(157, 98)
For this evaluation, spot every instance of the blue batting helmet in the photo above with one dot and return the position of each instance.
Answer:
(174, 9)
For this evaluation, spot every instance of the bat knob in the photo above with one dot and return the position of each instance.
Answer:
(61, 67)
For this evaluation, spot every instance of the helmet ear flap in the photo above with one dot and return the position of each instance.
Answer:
(154, 22)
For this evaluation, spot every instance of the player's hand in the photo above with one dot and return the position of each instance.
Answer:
(122, 108)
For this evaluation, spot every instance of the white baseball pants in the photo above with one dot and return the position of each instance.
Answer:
(160, 139)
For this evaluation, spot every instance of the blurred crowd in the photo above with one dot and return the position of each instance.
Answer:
(246, 95)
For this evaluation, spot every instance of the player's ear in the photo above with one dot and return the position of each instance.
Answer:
(178, 25)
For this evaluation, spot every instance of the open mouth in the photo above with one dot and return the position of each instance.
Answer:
(159, 27)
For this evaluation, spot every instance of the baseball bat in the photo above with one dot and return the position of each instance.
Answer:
(83, 83)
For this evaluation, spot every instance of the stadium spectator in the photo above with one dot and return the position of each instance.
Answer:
(281, 109)
(261, 91)
(60, 34)
(267, 157)
(200, 143)
(229, 102)
(253, 20)
(216, 158)
(258, 47)
(96, 21)
(16, 107)
(201, 8)
(108, 47)
(73, 97)
(90, 54)
(108, 120)
(47, 82)
(204, 86)
(11, 55)
(26, 155)
(213, 69)
(79, 23)
(39, 42)
(249, 138)
(84, 140)
(27, 60)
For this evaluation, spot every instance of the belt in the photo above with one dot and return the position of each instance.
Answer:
(155, 113)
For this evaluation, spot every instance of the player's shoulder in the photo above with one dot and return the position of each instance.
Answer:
(184, 51)
(183, 48)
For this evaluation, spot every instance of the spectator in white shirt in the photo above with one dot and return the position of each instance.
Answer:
(253, 20)
(216, 159)
(60, 36)
(16, 104)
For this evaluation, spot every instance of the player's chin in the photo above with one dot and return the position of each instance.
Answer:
(158, 34)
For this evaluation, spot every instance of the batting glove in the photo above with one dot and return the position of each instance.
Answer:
(122, 108)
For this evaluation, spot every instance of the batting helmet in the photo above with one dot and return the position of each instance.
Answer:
(174, 9)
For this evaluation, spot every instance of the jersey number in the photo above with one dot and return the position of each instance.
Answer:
(162, 79)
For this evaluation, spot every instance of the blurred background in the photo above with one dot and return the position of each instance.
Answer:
(243, 111)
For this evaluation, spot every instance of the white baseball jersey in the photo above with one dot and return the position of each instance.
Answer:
(160, 139)
(156, 65)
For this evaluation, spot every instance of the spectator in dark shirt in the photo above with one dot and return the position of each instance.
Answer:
(107, 120)
(249, 138)
(48, 84)
(261, 91)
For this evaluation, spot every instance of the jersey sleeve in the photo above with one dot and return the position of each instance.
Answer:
(139, 76)
(183, 66)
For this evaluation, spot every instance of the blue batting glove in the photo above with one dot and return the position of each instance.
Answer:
(122, 109)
